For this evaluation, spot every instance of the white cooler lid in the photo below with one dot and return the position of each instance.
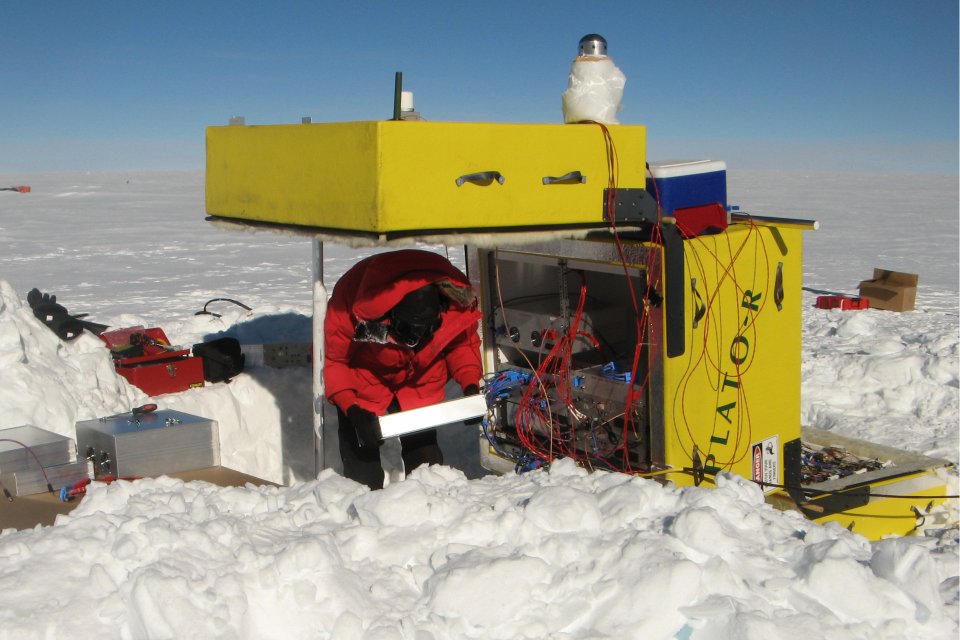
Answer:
(674, 168)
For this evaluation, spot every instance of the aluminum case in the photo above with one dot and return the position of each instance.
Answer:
(34, 481)
(157, 443)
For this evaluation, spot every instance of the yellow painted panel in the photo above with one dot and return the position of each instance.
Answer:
(420, 191)
(396, 176)
(888, 516)
(277, 173)
(734, 395)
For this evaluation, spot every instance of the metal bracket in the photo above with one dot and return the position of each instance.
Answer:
(631, 206)
(831, 503)
(574, 177)
(482, 178)
(778, 287)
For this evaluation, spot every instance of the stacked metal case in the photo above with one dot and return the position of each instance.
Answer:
(150, 444)
(31, 457)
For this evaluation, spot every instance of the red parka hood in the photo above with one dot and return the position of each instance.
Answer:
(388, 277)
(373, 373)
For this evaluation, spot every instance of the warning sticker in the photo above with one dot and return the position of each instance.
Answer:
(766, 462)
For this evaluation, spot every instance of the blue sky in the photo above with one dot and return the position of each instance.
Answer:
(832, 85)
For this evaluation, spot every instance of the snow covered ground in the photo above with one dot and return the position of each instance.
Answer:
(448, 552)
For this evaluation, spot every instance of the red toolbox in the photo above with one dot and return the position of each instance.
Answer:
(147, 360)
(844, 303)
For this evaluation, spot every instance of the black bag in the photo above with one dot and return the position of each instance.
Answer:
(222, 358)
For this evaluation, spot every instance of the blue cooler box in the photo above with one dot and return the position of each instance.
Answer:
(688, 184)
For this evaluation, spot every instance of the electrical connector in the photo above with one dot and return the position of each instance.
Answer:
(612, 371)
(505, 381)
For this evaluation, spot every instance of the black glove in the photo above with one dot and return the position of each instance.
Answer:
(46, 309)
(471, 390)
(54, 315)
(57, 318)
(366, 424)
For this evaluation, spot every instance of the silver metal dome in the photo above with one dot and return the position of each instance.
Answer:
(593, 44)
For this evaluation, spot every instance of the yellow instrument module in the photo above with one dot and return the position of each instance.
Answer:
(732, 399)
(632, 320)
(411, 177)
(697, 370)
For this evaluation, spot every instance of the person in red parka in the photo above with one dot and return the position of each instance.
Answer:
(399, 326)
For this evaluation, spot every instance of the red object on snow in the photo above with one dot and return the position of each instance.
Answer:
(79, 488)
(147, 360)
(844, 303)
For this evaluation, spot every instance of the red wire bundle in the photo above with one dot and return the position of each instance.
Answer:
(545, 434)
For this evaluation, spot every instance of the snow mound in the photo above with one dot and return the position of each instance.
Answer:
(440, 556)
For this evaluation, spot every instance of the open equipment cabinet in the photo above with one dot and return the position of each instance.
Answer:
(643, 353)
(596, 351)
(661, 341)
(559, 352)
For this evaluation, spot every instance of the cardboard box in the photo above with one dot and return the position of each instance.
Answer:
(890, 290)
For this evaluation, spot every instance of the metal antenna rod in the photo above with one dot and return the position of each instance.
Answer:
(397, 90)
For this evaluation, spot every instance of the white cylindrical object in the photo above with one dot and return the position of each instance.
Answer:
(595, 85)
(406, 101)
(594, 89)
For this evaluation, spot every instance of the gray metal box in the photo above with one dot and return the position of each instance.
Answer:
(30, 482)
(27, 448)
(152, 444)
